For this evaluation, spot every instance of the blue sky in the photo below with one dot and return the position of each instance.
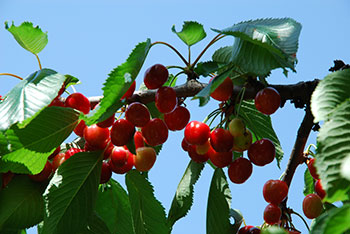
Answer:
(88, 39)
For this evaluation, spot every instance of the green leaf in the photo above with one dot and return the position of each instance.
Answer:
(113, 206)
(29, 37)
(335, 221)
(223, 55)
(183, 198)
(30, 96)
(206, 68)
(264, 44)
(29, 147)
(332, 91)
(13, 231)
(309, 183)
(238, 217)
(274, 230)
(119, 81)
(332, 148)
(191, 33)
(260, 125)
(70, 80)
(148, 213)
(22, 204)
(72, 193)
(345, 168)
(95, 226)
(219, 203)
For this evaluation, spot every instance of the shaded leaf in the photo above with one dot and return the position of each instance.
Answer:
(95, 226)
(309, 183)
(206, 68)
(71, 193)
(238, 217)
(274, 230)
(223, 55)
(191, 33)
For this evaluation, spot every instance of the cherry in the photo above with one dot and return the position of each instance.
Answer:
(199, 158)
(165, 99)
(119, 156)
(79, 102)
(312, 206)
(6, 178)
(44, 174)
(79, 129)
(107, 123)
(224, 91)
(138, 114)
(262, 152)
(254, 230)
(57, 150)
(236, 127)
(245, 229)
(145, 158)
(319, 189)
(275, 191)
(177, 119)
(57, 102)
(69, 153)
(155, 132)
(125, 168)
(96, 136)
(155, 76)
(240, 170)
(312, 169)
(122, 132)
(197, 133)
(58, 160)
(108, 150)
(202, 149)
(221, 140)
(267, 101)
(293, 232)
(272, 214)
(243, 142)
(220, 159)
(106, 173)
(138, 140)
(130, 91)
(184, 144)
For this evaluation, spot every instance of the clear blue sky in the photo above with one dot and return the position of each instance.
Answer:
(89, 38)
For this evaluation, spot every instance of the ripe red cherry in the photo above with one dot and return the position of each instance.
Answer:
(108, 150)
(6, 177)
(312, 169)
(262, 152)
(184, 144)
(58, 160)
(155, 132)
(79, 129)
(125, 168)
(275, 191)
(57, 150)
(240, 170)
(96, 137)
(224, 91)
(69, 153)
(107, 123)
(267, 101)
(254, 230)
(79, 102)
(119, 156)
(122, 132)
(319, 189)
(197, 133)
(130, 91)
(221, 140)
(165, 99)
(177, 119)
(106, 173)
(138, 140)
(156, 76)
(312, 206)
(220, 159)
(199, 158)
(145, 158)
(44, 174)
(245, 229)
(272, 214)
(57, 102)
(138, 114)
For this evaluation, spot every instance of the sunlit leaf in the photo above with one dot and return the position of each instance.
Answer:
(309, 183)
(191, 33)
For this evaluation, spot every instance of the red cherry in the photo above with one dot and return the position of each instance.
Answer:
(108, 150)
(107, 123)
(69, 153)
(220, 159)
(138, 114)
(145, 158)
(119, 156)
(6, 177)
(254, 230)
(155, 132)
(125, 168)
(57, 102)
(272, 214)
(106, 173)
(197, 133)
(57, 150)
(79, 129)
(138, 140)
(312, 169)
(184, 144)
(203, 149)
(224, 91)
(267, 101)
(293, 232)
(165, 99)
(122, 132)
(156, 76)
(58, 160)
(221, 140)
(130, 91)
(312, 206)
(245, 229)
(319, 189)
(96, 137)
(44, 174)
(199, 158)
(240, 170)
(275, 191)
(261, 152)
(79, 102)
(177, 119)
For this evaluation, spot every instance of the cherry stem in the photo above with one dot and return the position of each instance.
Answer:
(37, 57)
(301, 217)
(10, 74)
(189, 54)
(174, 49)
(241, 95)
